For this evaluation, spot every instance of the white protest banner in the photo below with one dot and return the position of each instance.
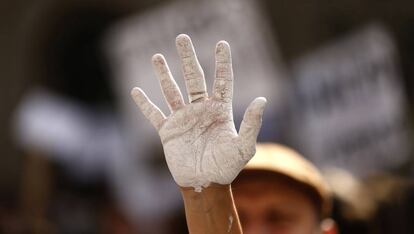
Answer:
(240, 22)
(349, 110)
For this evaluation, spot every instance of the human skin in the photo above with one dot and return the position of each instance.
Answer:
(272, 206)
(211, 211)
(203, 150)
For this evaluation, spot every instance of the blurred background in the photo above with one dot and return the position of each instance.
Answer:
(78, 157)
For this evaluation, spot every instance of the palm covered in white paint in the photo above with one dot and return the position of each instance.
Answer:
(200, 142)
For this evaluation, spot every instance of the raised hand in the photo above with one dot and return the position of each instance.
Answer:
(200, 142)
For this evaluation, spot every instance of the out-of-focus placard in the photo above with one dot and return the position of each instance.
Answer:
(240, 22)
(350, 107)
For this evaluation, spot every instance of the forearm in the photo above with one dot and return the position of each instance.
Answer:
(211, 211)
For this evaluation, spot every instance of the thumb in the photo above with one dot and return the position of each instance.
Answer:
(250, 126)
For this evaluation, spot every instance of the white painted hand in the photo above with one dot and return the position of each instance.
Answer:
(200, 142)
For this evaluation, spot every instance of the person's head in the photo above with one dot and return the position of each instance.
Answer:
(281, 192)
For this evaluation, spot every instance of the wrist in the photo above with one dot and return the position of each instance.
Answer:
(212, 187)
(208, 198)
(211, 209)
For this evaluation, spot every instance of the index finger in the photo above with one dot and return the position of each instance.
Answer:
(223, 83)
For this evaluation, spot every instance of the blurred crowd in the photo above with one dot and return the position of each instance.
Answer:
(79, 157)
